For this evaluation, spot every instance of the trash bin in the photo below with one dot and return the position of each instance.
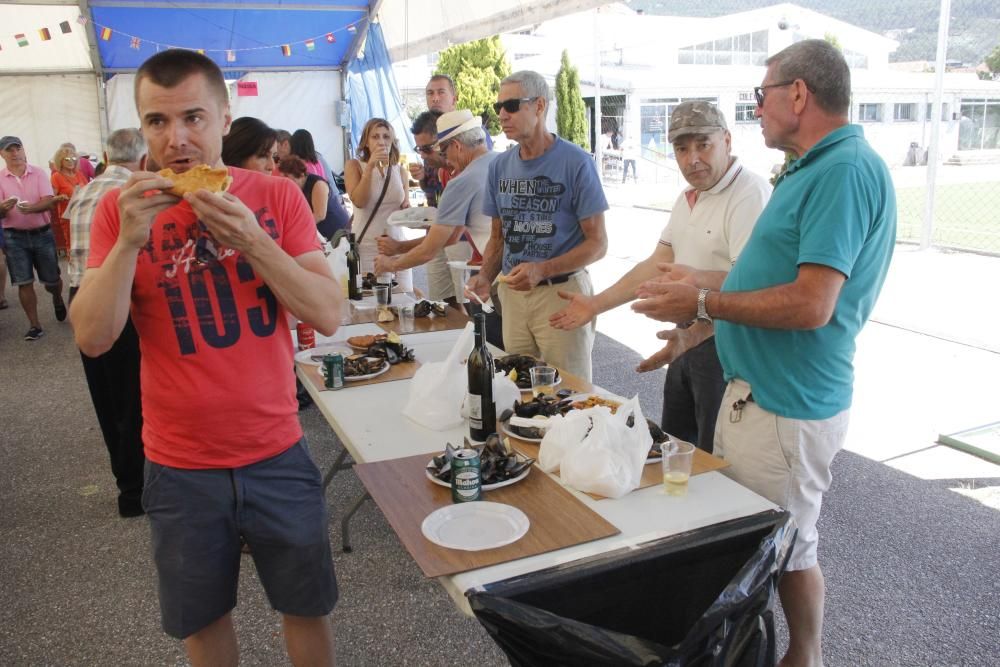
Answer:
(701, 598)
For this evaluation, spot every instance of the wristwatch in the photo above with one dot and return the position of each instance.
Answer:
(702, 311)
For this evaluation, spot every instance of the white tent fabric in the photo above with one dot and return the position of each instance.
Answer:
(286, 100)
(61, 53)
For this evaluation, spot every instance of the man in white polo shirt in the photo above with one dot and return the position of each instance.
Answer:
(709, 224)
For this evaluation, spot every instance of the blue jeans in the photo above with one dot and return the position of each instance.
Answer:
(31, 251)
(692, 394)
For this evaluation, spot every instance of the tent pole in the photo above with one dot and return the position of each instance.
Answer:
(95, 57)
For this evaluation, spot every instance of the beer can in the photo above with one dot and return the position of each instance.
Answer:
(333, 371)
(306, 336)
(466, 484)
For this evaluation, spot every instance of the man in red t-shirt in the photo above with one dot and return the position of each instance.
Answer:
(208, 280)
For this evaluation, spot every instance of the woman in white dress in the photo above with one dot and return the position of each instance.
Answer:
(378, 151)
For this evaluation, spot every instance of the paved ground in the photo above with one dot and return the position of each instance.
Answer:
(911, 531)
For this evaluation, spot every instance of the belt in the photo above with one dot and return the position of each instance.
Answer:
(29, 232)
(557, 280)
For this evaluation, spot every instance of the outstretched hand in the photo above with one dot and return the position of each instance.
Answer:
(579, 311)
(667, 302)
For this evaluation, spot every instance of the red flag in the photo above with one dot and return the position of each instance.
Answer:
(286, 50)
(330, 38)
(106, 34)
(135, 43)
(44, 34)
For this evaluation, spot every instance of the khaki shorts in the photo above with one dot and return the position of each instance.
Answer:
(785, 460)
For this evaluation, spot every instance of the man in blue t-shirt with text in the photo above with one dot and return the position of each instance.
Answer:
(788, 314)
(548, 207)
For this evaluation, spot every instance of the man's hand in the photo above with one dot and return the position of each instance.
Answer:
(667, 302)
(228, 219)
(679, 341)
(478, 285)
(579, 311)
(384, 264)
(141, 199)
(416, 171)
(388, 245)
(525, 276)
(670, 272)
(7, 204)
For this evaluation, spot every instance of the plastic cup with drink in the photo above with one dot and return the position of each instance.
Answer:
(677, 459)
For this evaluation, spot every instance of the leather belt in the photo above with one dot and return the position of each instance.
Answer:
(29, 232)
(557, 280)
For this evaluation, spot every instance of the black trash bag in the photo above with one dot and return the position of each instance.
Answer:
(701, 598)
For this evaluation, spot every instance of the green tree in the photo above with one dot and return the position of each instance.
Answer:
(993, 62)
(477, 69)
(833, 41)
(571, 117)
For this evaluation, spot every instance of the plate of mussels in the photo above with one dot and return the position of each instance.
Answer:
(499, 465)
(362, 367)
(518, 368)
(383, 346)
(314, 355)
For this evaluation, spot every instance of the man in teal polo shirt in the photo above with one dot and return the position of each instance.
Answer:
(788, 314)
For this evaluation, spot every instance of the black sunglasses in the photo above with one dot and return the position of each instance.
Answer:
(512, 105)
(426, 149)
(758, 91)
(443, 148)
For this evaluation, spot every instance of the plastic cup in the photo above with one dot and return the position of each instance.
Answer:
(543, 380)
(382, 294)
(406, 319)
(677, 458)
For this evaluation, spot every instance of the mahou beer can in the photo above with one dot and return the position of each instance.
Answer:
(306, 336)
(465, 482)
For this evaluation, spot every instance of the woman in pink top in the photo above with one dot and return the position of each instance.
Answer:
(302, 147)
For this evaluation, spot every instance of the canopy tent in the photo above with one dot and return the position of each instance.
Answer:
(60, 58)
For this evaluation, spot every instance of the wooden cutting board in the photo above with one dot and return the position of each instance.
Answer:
(652, 473)
(405, 496)
(453, 319)
(404, 370)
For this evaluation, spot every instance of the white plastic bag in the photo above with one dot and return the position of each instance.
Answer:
(562, 436)
(439, 387)
(505, 392)
(610, 459)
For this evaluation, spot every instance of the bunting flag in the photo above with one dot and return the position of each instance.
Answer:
(330, 38)
(21, 39)
(352, 28)
(286, 50)
(310, 45)
(135, 43)
(81, 19)
(44, 34)
(65, 27)
(230, 56)
(106, 34)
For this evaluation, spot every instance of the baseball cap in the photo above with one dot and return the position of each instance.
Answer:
(453, 123)
(695, 118)
(9, 141)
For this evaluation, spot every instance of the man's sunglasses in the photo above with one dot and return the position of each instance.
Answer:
(426, 149)
(443, 148)
(512, 105)
(758, 91)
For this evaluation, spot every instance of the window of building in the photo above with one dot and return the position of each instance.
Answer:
(855, 59)
(747, 49)
(869, 113)
(654, 120)
(904, 112)
(979, 124)
(745, 113)
(929, 112)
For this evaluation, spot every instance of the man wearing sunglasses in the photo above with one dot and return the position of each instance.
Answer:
(547, 206)
(788, 314)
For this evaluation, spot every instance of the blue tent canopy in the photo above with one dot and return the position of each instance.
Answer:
(243, 34)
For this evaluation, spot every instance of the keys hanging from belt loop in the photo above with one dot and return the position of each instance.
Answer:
(736, 413)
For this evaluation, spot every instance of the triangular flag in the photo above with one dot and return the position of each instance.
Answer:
(44, 34)
(106, 34)
(330, 38)
(135, 43)
(230, 56)
(286, 50)
(310, 45)
(352, 28)
(21, 39)
(65, 27)
(81, 19)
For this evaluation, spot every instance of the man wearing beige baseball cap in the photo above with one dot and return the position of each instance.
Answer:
(708, 226)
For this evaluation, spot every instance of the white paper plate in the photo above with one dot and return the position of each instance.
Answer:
(506, 431)
(305, 356)
(486, 487)
(414, 216)
(355, 378)
(475, 526)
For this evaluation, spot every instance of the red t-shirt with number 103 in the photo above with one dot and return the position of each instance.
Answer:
(218, 388)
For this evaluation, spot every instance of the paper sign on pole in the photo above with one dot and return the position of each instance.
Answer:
(246, 89)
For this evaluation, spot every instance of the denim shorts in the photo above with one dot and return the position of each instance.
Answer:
(28, 253)
(198, 516)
